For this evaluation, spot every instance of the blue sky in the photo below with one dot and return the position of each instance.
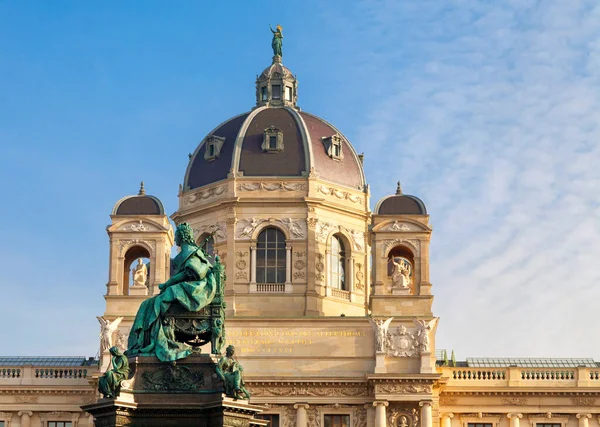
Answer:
(488, 111)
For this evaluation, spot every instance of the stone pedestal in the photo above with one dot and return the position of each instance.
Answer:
(380, 363)
(187, 393)
(426, 363)
(400, 291)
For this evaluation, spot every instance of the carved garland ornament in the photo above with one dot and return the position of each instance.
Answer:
(125, 244)
(324, 228)
(583, 401)
(27, 399)
(322, 390)
(205, 194)
(246, 227)
(137, 226)
(403, 388)
(218, 230)
(413, 243)
(271, 186)
(517, 401)
(342, 195)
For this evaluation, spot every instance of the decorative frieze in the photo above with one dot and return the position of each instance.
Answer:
(27, 399)
(138, 226)
(125, 244)
(271, 186)
(204, 194)
(583, 401)
(218, 231)
(403, 388)
(307, 389)
(388, 244)
(245, 228)
(515, 401)
(448, 400)
(339, 194)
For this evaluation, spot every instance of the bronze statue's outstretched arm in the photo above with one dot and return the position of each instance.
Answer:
(274, 32)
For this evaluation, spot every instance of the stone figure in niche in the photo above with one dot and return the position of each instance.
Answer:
(380, 327)
(107, 330)
(192, 287)
(140, 273)
(230, 372)
(422, 334)
(109, 384)
(277, 43)
(401, 274)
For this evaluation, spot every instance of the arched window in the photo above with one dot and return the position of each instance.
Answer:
(270, 256)
(337, 264)
(207, 243)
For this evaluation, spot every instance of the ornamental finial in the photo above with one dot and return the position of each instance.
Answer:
(399, 189)
(142, 189)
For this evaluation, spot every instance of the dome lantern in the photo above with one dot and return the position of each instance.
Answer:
(276, 86)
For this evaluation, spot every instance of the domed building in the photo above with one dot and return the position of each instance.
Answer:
(328, 303)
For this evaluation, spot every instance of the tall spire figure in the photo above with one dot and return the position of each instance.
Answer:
(277, 43)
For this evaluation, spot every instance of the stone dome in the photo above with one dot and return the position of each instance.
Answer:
(400, 204)
(141, 204)
(302, 143)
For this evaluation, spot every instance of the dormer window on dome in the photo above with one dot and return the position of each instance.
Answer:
(213, 147)
(272, 140)
(333, 146)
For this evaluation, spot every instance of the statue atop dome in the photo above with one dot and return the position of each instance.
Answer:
(277, 43)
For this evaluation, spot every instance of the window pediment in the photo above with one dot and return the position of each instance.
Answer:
(272, 140)
(333, 146)
(213, 147)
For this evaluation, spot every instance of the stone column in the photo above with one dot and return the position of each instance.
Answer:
(583, 419)
(25, 418)
(350, 278)
(301, 418)
(380, 406)
(288, 269)
(426, 417)
(370, 415)
(447, 419)
(514, 419)
(252, 268)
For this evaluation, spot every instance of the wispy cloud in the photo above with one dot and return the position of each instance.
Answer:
(493, 111)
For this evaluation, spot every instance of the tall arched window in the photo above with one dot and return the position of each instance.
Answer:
(270, 256)
(337, 264)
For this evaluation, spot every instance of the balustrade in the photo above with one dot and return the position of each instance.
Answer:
(478, 374)
(271, 288)
(341, 294)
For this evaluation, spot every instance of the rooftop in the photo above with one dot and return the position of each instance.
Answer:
(47, 361)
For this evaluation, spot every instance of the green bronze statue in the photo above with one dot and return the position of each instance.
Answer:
(192, 287)
(109, 384)
(277, 43)
(230, 372)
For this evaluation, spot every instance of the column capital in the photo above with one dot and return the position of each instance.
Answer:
(301, 405)
(289, 248)
(424, 402)
(21, 413)
(584, 415)
(514, 415)
(448, 415)
(381, 403)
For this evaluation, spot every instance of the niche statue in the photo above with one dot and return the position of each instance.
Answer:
(109, 384)
(190, 289)
(230, 372)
